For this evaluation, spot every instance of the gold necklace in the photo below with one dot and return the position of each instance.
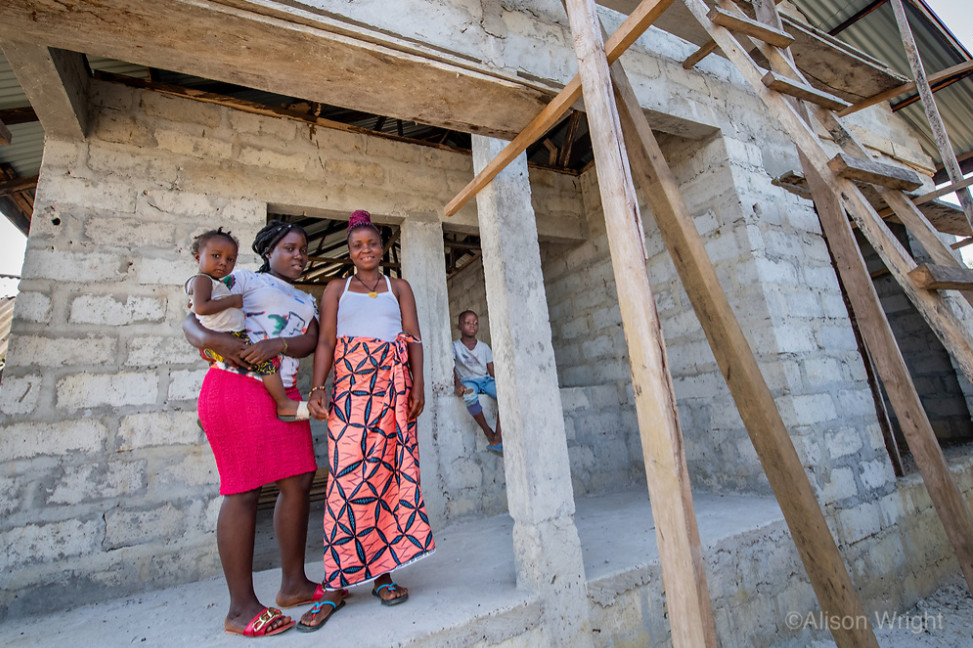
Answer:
(373, 291)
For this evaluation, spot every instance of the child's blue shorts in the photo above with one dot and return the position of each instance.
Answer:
(485, 385)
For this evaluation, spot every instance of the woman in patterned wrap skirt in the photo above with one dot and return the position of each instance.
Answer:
(375, 518)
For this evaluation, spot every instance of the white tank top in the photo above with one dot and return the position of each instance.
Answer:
(362, 316)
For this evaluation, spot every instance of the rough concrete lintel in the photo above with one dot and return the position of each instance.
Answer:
(56, 83)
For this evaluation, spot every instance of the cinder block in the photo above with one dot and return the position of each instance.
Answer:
(278, 128)
(157, 429)
(155, 350)
(128, 528)
(167, 203)
(63, 351)
(115, 390)
(79, 267)
(877, 473)
(34, 544)
(355, 173)
(19, 394)
(197, 469)
(843, 442)
(184, 384)
(118, 197)
(129, 233)
(182, 143)
(266, 159)
(109, 310)
(168, 270)
(177, 109)
(841, 486)
(91, 482)
(35, 439)
(860, 522)
(32, 307)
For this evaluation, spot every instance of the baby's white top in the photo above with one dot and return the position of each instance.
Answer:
(362, 316)
(226, 321)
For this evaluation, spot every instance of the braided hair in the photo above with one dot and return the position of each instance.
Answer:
(271, 235)
(200, 241)
(359, 219)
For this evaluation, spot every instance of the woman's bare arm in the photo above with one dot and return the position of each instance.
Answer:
(410, 324)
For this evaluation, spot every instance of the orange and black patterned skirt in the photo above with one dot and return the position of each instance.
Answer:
(375, 518)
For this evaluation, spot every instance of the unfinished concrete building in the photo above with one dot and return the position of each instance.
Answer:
(162, 119)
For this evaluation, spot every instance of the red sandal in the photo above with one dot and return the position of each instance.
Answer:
(258, 626)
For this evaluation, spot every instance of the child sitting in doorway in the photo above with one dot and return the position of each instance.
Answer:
(473, 375)
(217, 308)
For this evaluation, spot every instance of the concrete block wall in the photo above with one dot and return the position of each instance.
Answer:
(933, 374)
(109, 486)
(756, 579)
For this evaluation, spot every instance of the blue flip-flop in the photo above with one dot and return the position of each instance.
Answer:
(317, 607)
(496, 448)
(393, 601)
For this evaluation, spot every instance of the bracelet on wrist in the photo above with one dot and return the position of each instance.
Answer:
(314, 389)
(285, 346)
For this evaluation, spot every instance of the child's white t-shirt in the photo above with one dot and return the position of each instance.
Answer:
(226, 321)
(471, 363)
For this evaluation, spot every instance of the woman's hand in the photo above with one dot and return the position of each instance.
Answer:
(317, 404)
(263, 350)
(417, 400)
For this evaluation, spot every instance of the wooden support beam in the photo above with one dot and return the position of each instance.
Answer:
(869, 8)
(936, 125)
(728, 342)
(347, 261)
(699, 55)
(949, 73)
(56, 83)
(962, 244)
(683, 573)
(17, 185)
(802, 91)
(11, 116)
(742, 24)
(931, 305)
(5, 137)
(633, 27)
(937, 277)
(867, 170)
(570, 133)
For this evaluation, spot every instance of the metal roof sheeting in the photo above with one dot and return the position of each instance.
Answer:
(877, 34)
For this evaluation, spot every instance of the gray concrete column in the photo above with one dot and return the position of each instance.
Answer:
(424, 267)
(547, 550)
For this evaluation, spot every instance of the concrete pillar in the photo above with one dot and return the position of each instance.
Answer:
(547, 550)
(423, 266)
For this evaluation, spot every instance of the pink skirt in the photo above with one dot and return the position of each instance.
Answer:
(252, 447)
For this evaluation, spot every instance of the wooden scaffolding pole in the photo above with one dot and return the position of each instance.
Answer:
(932, 111)
(753, 398)
(826, 190)
(683, 573)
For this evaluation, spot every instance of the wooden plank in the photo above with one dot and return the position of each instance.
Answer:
(802, 91)
(744, 25)
(5, 137)
(942, 191)
(570, 133)
(683, 573)
(699, 54)
(936, 125)
(633, 27)
(17, 185)
(936, 311)
(890, 365)
(754, 401)
(254, 44)
(937, 277)
(56, 84)
(867, 170)
(11, 116)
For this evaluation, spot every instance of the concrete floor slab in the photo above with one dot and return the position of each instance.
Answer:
(463, 593)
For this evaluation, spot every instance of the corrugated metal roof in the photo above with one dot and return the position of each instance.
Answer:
(877, 34)
(6, 319)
